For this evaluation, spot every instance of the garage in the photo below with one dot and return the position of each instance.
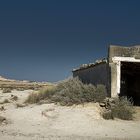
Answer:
(130, 81)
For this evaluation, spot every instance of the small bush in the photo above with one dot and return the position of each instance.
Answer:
(69, 92)
(7, 90)
(122, 109)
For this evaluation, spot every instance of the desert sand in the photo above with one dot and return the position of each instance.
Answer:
(54, 122)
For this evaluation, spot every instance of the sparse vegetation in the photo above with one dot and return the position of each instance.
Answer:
(122, 109)
(69, 92)
(73, 91)
(7, 90)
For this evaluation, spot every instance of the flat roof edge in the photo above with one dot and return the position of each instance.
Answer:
(86, 66)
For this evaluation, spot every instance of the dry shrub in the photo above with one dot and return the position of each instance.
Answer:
(69, 92)
(73, 91)
(122, 109)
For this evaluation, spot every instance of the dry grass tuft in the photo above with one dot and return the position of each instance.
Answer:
(44, 93)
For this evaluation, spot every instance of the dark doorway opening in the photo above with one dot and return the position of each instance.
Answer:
(130, 81)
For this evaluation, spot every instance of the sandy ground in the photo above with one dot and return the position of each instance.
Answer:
(53, 122)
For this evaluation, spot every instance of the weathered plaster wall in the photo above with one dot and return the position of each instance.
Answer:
(123, 52)
(96, 75)
(113, 80)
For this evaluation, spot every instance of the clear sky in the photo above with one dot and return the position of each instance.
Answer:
(44, 40)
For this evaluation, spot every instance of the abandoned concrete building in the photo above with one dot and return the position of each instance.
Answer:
(120, 72)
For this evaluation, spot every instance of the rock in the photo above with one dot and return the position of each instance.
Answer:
(102, 104)
(20, 105)
(108, 103)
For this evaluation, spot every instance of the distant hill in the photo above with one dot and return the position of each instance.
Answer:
(5, 79)
(21, 84)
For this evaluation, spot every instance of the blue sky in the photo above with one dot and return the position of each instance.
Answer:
(44, 40)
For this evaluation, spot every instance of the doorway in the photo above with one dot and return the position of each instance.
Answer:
(130, 81)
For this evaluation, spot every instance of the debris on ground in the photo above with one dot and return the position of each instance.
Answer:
(14, 98)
